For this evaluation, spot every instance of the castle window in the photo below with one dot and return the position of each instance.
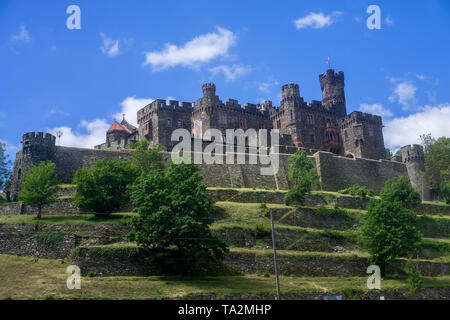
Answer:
(358, 131)
(180, 124)
(371, 131)
(311, 137)
(242, 123)
(346, 135)
(278, 124)
(169, 123)
(309, 119)
(292, 115)
(19, 174)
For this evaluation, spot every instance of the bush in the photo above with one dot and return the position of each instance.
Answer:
(358, 191)
(413, 280)
(389, 231)
(302, 175)
(400, 190)
(445, 191)
(104, 187)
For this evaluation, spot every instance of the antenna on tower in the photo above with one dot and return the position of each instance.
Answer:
(59, 134)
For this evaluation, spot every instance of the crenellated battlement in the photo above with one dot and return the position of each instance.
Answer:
(209, 89)
(39, 139)
(331, 77)
(360, 117)
(290, 91)
(412, 153)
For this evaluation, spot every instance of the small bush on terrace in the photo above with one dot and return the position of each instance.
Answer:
(358, 191)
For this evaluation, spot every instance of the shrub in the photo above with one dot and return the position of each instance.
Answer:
(400, 190)
(358, 191)
(302, 175)
(413, 280)
(104, 187)
(389, 231)
(445, 191)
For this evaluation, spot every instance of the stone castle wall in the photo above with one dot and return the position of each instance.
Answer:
(336, 172)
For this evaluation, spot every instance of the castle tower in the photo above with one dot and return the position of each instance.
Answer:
(413, 158)
(333, 96)
(290, 93)
(35, 149)
(209, 91)
(362, 135)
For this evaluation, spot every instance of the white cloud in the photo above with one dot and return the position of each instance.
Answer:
(130, 107)
(201, 49)
(109, 46)
(399, 132)
(389, 21)
(23, 35)
(404, 93)
(89, 134)
(230, 72)
(316, 20)
(266, 87)
(375, 108)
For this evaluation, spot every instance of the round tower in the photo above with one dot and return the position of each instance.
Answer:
(413, 158)
(333, 95)
(209, 90)
(38, 146)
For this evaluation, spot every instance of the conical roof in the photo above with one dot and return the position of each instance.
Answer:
(118, 127)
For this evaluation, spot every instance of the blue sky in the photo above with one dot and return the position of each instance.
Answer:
(130, 52)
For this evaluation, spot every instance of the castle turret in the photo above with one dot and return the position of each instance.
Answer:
(209, 90)
(290, 93)
(413, 158)
(36, 147)
(333, 96)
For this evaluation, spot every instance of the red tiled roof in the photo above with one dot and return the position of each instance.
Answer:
(117, 126)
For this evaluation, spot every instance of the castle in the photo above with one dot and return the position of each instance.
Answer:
(321, 125)
(346, 149)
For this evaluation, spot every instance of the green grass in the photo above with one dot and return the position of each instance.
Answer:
(89, 219)
(25, 278)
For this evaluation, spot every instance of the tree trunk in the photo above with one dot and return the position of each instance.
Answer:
(39, 215)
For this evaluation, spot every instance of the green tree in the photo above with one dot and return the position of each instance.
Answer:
(389, 231)
(437, 159)
(400, 190)
(5, 165)
(302, 175)
(445, 191)
(146, 159)
(104, 187)
(413, 280)
(174, 218)
(39, 186)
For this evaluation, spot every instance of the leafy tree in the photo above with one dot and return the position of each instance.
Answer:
(398, 153)
(5, 165)
(437, 159)
(400, 190)
(302, 174)
(445, 191)
(104, 187)
(39, 186)
(146, 159)
(174, 218)
(389, 231)
(413, 280)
